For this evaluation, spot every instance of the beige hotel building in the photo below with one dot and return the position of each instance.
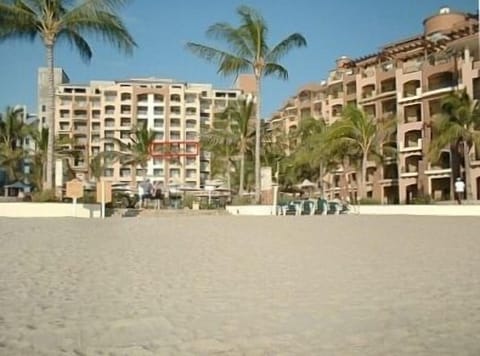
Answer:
(405, 80)
(91, 114)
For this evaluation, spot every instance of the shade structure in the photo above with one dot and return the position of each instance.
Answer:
(306, 184)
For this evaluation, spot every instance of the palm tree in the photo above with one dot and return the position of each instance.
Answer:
(233, 130)
(96, 167)
(62, 19)
(12, 127)
(12, 132)
(220, 142)
(11, 160)
(459, 127)
(274, 148)
(248, 51)
(309, 143)
(365, 133)
(136, 152)
(39, 156)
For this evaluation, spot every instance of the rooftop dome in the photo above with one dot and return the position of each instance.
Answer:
(443, 21)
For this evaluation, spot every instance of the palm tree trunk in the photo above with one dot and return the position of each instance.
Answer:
(48, 184)
(229, 175)
(320, 180)
(258, 121)
(455, 166)
(468, 183)
(134, 175)
(363, 177)
(242, 173)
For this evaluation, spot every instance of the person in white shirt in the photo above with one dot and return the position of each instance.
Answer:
(459, 190)
(141, 194)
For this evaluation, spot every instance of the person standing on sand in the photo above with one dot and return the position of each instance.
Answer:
(459, 190)
(141, 193)
(157, 195)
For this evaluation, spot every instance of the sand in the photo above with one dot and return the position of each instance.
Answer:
(225, 285)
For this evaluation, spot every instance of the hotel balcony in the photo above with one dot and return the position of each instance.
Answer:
(335, 77)
(441, 88)
(368, 93)
(438, 171)
(410, 146)
(80, 118)
(142, 99)
(368, 72)
(409, 172)
(125, 97)
(82, 141)
(125, 123)
(80, 130)
(64, 126)
(387, 88)
(158, 98)
(409, 95)
(142, 112)
(191, 163)
(96, 127)
(411, 67)
(441, 168)
(81, 104)
(191, 112)
(191, 124)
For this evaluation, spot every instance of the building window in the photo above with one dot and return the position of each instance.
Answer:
(109, 172)
(158, 172)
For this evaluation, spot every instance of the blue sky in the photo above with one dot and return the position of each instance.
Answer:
(161, 29)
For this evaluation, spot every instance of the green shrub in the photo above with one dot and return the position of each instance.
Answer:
(188, 200)
(423, 199)
(242, 200)
(368, 201)
(44, 196)
(284, 199)
(88, 198)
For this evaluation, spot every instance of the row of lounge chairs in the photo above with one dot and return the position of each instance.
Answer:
(314, 207)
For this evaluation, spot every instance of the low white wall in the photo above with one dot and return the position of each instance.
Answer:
(251, 209)
(49, 210)
(438, 210)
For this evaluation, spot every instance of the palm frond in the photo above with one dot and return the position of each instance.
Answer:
(255, 29)
(228, 63)
(295, 40)
(275, 69)
(106, 25)
(77, 41)
(232, 37)
(18, 21)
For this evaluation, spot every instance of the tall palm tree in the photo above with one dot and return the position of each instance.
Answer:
(248, 52)
(53, 20)
(364, 132)
(233, 129)
(459, 128)
(274, 148)
(39, 156)
(220, 142)
(136, 152)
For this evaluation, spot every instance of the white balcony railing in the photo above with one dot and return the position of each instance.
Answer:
(410, 147)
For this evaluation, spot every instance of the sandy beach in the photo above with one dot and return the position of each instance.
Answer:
(224, 285)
